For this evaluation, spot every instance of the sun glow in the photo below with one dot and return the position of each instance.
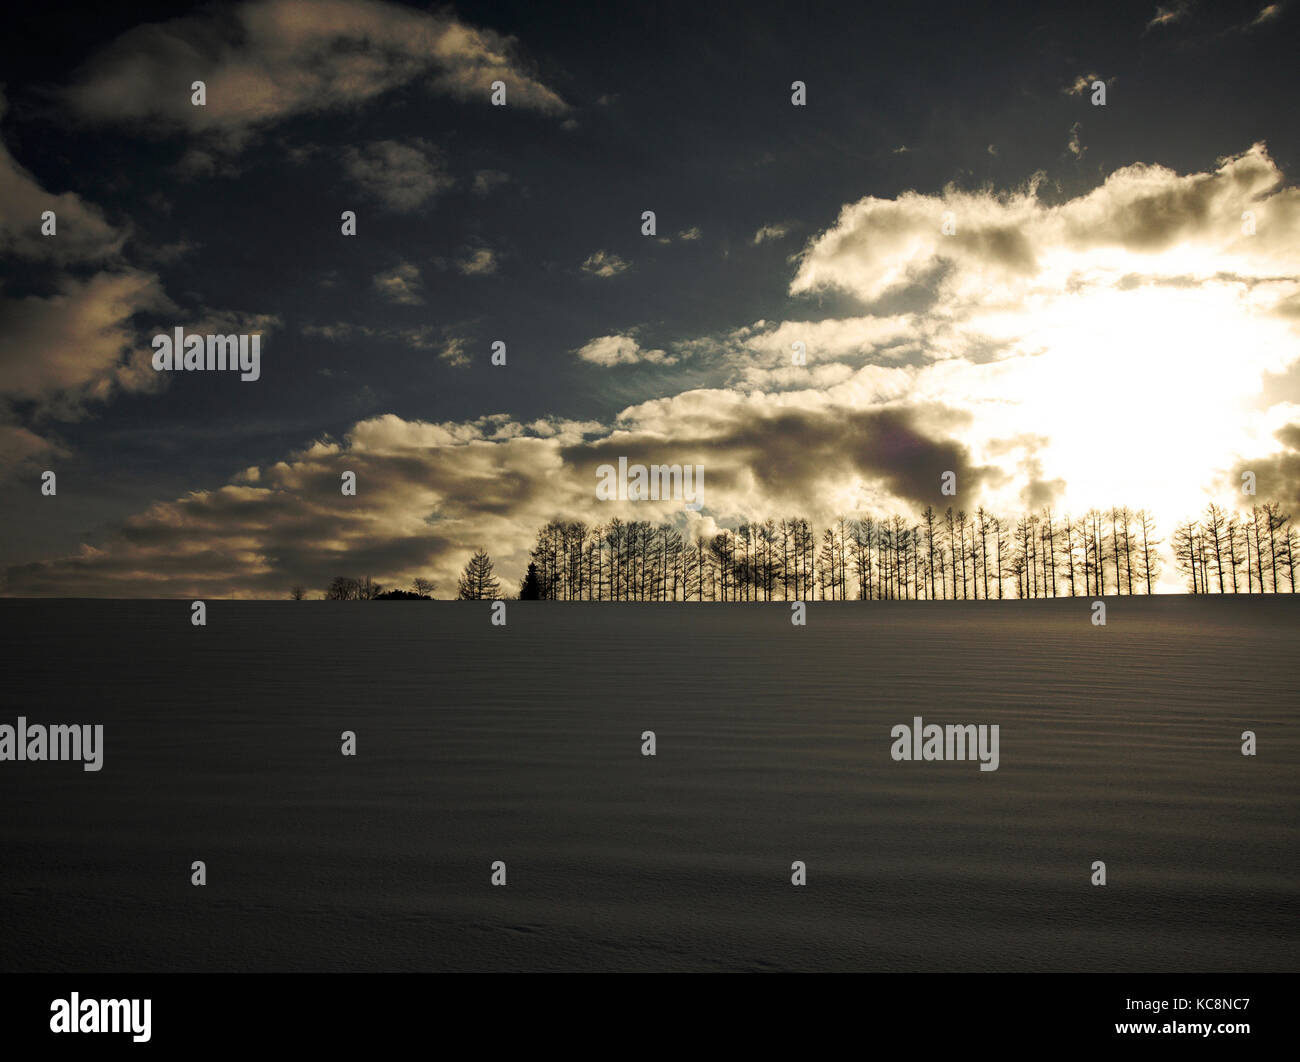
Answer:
(1142, 396)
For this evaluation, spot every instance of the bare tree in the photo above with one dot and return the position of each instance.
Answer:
(1003, 545)
(1150, 558)
(1126, 523)
(1185, 554)
(1274, 521)
(1252, 530)
(1232, 539)
(1292, 544)
(343, 588)
(1067, 551)
(1214, 525)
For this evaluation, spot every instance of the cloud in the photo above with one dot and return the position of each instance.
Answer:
(454, 353)
(486, 180)
(1269, 13)
(74, 339)
(71, 342)
(77, 345)
(479, 262)
(761, 356)
(1081, 84)
(777, 231)
(1075, 146)
(1276, 468)
(223, 322)
(22, 451)
(401, 176)
(883, 246)
(621, 350)
(879, 246)
(269, 60)
(400, 285)
(420, 337)
(604, 264)
(197, 163)
(430, 494)
(82, 234)
(1168, 14)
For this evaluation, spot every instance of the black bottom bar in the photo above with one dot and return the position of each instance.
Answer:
(916, 1012)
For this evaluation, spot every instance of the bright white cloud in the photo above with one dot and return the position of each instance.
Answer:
(621, 350)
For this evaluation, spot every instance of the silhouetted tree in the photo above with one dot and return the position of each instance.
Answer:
(1274, 521)
(530, 589)
(1149, 559)
(477, 583)
(343, 588)
(1186, 556)
(1214, 525)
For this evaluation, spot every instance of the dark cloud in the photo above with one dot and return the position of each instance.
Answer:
(267, 60)
(401, 176)
(1277, 476)
(796, 457)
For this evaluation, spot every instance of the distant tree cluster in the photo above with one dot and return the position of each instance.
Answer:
(1224, 552)
(344, 588)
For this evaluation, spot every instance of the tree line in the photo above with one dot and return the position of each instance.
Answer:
(952, 556)
(1227, 553)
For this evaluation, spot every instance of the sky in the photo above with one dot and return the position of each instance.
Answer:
(1064, 302)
